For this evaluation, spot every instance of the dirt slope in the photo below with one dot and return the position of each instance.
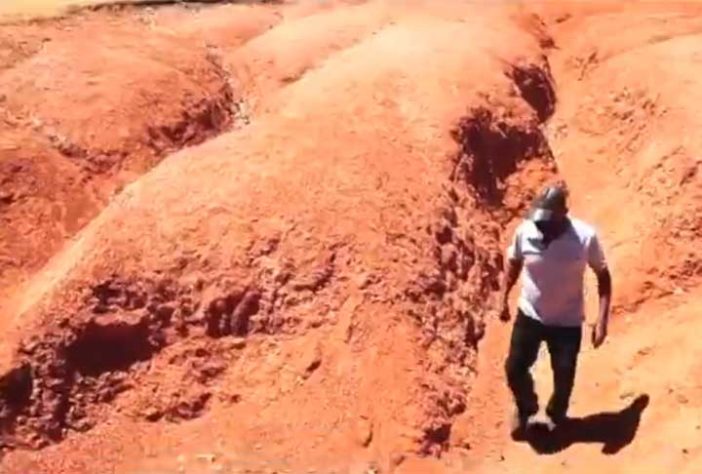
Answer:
(311, 290)
(41, 8)
(624, 141)
(283, 55)
(295, 264)
(80, 123)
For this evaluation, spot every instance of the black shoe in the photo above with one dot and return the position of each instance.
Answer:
(542, 422)
(556, 419)
(518, 425)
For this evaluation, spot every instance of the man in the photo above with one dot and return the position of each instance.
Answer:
(551, 250)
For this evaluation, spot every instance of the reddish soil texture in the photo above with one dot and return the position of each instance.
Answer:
(267, 238)
(79, 123)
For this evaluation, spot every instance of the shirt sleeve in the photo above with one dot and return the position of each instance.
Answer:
(514, 251)
(595, 254)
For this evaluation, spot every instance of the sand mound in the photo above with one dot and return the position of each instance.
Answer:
(622, 135)
(635, 131)
(283, 55)
(81, 122)
(332, 249)
(298, 267)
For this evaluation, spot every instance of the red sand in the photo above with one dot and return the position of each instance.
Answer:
(312, 289)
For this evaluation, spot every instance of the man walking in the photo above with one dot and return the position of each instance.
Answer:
(551, 250)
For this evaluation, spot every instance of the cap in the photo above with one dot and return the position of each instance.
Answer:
(549, 204)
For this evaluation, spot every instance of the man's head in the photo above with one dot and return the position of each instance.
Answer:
(549, 212)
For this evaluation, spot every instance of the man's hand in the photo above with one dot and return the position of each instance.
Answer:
(504, 314)
(599, 333)
(604, 287)
(514, 267)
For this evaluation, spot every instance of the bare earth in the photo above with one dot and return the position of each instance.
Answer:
(42, 8)
(267, 237)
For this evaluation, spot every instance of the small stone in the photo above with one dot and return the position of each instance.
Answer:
(397, 459)
(181, 459)
(364, 432)
(364, 280)
(153, 414)
(229, 397)
(238, 343)
(208, 457)
(82, 425)
(644, 352)
(311, 360)
(626, 395)
(315, 323)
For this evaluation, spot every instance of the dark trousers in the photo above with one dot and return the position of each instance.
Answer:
(563, 346)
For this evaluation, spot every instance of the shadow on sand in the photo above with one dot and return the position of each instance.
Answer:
(614, 430)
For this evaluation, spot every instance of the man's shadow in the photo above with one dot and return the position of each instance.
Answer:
(614, 430)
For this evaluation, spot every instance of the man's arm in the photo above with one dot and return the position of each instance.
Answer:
(514, 267)
(511, 275)
(597, 262)
(604, 288)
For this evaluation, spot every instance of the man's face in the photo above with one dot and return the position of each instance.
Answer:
(551, 229)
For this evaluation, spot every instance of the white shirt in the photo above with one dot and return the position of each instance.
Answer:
(552, 277)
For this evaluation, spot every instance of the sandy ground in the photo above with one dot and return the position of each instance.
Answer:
(40, 8)
(276, 247)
